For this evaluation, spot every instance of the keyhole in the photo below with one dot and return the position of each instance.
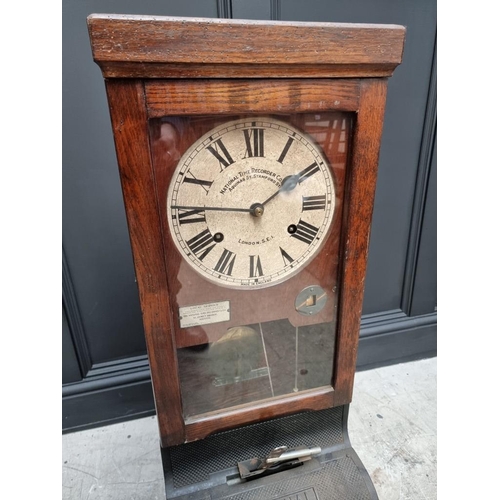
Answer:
(311, 301)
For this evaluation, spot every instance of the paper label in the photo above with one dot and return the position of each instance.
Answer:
(204, 314)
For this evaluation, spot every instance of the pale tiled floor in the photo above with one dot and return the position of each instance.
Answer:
(392, 427)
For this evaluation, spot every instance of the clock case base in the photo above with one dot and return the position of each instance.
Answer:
(207, 469)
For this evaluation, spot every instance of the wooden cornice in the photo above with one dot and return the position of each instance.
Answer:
(127, 46)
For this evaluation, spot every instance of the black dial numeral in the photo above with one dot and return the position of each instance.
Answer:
(255, 266)
(225, 263)
(305, 232)
(200, 244)
(313, 202)
(285, 149)
(255, 147)
(191, 216)
(308, 171)
(199, 182)
(223, 156)
(286, 258)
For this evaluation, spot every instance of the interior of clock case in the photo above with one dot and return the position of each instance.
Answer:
(263, 348)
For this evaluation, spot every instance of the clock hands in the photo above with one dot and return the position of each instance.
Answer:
(289, 183)
(221, 209)
(257, 209)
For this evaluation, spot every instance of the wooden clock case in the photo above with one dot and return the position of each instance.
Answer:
(162, 66)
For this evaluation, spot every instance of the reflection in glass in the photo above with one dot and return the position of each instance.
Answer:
(251, 363)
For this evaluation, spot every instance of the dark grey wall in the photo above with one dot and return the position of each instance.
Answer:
(105, 369)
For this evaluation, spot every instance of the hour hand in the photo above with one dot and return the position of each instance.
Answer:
(220, 209)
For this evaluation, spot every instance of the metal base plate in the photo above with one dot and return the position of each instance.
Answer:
(207, 469)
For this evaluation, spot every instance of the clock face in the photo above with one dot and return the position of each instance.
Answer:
(250, 203)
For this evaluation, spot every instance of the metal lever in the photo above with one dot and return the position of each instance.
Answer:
(279, 459)
(289, 454)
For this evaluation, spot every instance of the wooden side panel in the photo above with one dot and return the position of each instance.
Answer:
(357, 221)
(216, 96)
(129, 120)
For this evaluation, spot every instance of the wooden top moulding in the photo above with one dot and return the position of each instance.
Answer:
(126, 46)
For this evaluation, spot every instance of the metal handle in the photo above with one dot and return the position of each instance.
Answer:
(294, 453)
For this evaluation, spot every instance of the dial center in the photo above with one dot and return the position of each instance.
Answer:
(257, 210)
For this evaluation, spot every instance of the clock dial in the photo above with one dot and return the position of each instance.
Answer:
(250, 203)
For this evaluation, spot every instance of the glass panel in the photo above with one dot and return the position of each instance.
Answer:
(251, 208)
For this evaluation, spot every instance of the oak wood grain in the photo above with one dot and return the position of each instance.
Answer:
(123, 69)
(129, 121)
(356, 231)
(204, 44)
(217, 96)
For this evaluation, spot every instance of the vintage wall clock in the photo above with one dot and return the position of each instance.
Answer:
(248, 154)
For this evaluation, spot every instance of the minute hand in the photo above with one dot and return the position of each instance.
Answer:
(290, 182)
(220, 209)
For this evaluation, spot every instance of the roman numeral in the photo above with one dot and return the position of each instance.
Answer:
(200, 244)
(225, 263)
(308, 171)
(286, 258)
(285, 149)
(223, 156)
(191, 216)
(199, 182)
(257, 148)
(313, 202)
(255, 267)
(305, 232)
